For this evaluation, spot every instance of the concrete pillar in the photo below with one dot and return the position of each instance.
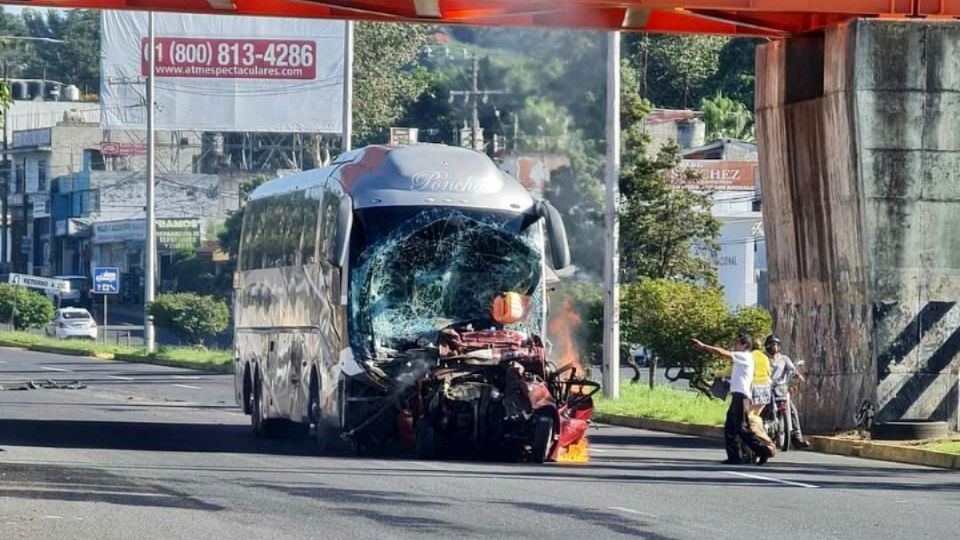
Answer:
(859, 131)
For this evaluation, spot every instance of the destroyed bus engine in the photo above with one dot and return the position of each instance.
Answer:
(396, 298)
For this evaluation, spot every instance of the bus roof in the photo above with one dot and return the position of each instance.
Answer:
(414, 175)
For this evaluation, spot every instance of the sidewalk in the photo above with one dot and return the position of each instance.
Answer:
(844, 446)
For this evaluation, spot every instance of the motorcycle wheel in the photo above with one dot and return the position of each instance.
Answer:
(783, 437)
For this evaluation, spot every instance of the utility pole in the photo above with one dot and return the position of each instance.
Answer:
(475, 94)
(150, 262)
(347, 135)
(611, 265)
(5, 180)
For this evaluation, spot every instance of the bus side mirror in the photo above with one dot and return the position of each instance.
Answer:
(560, 250)
(344, 228)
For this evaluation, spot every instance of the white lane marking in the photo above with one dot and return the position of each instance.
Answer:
(599, 450)
(48, 368)
(3, 361)
(191, 377)
(188, 386)
(118, 377)
(769, 479)
(53, 517)
(427, 465)
(631, 511)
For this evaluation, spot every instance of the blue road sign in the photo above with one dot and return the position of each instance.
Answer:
(106, 280)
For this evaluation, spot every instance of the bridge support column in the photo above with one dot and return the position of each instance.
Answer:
(859, 131)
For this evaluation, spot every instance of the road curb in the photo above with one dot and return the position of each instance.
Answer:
(696, 430)
(216, 368)
(825, 445)
(885, 452)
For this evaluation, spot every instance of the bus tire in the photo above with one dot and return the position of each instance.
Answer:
(323, 434)
(263, 427)
(247, 390)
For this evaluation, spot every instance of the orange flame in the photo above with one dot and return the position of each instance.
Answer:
(561, 329)
(578, 452)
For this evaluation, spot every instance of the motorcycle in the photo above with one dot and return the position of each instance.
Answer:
(778, 415)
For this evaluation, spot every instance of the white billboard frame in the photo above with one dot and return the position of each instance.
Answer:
(224, 73)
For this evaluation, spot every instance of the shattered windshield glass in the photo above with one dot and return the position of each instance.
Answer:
(417, 270)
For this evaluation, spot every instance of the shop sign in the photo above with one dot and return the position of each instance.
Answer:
(178, 234)
(108, 232)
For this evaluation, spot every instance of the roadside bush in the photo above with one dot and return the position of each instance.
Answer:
(664, 315)
(33, 310)
(191, 317)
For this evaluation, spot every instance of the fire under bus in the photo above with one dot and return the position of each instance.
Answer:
(396, 301)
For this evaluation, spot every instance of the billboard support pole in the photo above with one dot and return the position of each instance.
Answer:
(104, 318)
(150, 261)
(346, 138)
(611, 266)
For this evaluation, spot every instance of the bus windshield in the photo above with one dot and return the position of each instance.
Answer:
(417, 270)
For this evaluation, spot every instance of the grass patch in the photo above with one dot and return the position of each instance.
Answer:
(947, 447)
(185, 356)
(664, 403)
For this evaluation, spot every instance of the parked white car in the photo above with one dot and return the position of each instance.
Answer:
(73, 323)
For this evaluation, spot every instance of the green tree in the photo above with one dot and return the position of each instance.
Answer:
(674, 69)
(191, 317)
(726, 118)
(24, 308)
(77, 59)
(385, 79)
(667, 231)
(736, 73)
(663, 315)
(15, 54)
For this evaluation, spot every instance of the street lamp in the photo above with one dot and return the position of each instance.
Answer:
(31, 38)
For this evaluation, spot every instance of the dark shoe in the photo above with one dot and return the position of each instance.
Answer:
(762, 458)
(800, 442)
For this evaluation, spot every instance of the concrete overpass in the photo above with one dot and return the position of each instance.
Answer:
(858, 115)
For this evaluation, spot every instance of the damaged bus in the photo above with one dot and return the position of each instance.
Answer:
(397, 298)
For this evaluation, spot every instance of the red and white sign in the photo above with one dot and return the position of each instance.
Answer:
(122, 149)
(232, 58)
(223, 73)
(716, 174)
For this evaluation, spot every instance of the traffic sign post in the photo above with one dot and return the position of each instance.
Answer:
(106, 280)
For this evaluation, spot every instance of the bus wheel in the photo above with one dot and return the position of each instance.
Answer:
(262, 426)
(322, 433)
(247, 391)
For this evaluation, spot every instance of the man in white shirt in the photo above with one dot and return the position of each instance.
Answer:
(741, 378)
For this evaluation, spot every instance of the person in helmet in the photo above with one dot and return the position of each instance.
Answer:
(782, 370)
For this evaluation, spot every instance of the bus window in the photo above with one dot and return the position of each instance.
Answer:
(328, 241)
(308, 243)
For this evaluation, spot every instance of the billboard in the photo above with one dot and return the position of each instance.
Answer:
(223, 73)
(717, 174)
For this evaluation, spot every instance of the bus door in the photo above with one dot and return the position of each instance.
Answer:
(280, 378)
(296, 399)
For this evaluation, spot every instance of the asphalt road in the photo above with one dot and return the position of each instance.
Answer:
(153, 452)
